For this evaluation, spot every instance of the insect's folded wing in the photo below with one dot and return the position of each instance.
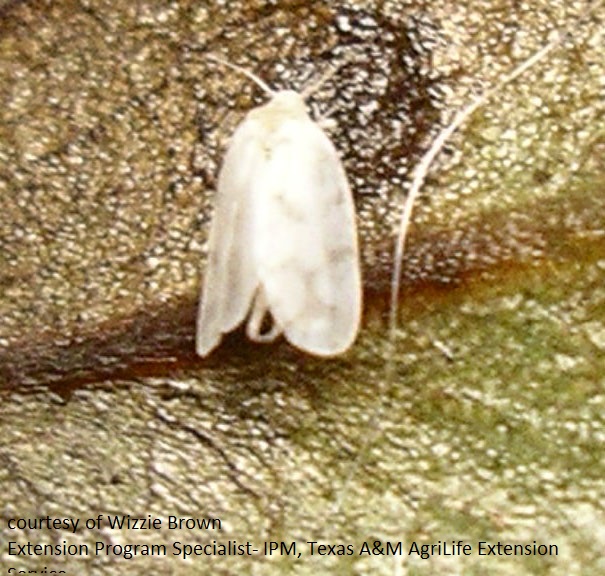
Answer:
(230, 277)
(306, 241)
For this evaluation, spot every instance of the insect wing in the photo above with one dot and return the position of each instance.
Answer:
(230, 276)
(306, 240)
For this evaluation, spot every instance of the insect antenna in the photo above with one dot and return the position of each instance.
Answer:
(243, 71)
(309, 90)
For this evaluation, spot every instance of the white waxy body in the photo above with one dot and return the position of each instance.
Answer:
(283, 238)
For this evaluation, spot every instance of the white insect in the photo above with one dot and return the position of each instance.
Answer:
(283, 239)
